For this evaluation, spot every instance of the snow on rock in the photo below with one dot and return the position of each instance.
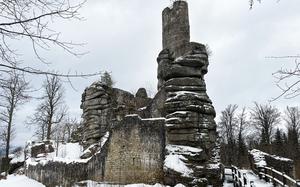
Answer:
(186, 150)
(213, 166)
(66, 153)
(179, 185)
(175, 159)
(104, 139)
(153, 119)
(19, 180)
(176, 163)
(259, 157)
(19, 157)
(179, 94)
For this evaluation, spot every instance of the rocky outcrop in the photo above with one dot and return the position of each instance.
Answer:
(188, 110)
(97, 113)
(189, 113)
(101, 106)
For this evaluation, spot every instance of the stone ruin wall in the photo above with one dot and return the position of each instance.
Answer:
(176, 28)
(135, 153)
(102, 105)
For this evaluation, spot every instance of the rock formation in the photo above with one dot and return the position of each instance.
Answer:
(102, 105)
(130, 138)
(189, 112)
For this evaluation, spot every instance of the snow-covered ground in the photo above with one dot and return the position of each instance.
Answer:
(95, 184)
(250, 176)
(23, 181)
(18, 181)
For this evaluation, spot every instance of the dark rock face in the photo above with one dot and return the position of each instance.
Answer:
(97, 113)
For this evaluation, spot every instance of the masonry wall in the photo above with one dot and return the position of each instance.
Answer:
(57, 173)
(176, 28)
(135, 153)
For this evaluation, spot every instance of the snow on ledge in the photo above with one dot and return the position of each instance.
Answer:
(66, 153)
(176, 163)
(175, 158)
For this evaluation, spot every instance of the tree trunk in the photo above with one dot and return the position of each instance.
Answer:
(49, 127)
(9, 125)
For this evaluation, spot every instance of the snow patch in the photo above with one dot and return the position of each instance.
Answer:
(186, 150)
(175, 159)
(19, 157)
(19, 180)
(176, 163)
(90, 183)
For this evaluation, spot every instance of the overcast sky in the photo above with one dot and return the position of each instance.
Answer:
(124, 37)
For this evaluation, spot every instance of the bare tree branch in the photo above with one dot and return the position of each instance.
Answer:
(288, 80)
(31, 20)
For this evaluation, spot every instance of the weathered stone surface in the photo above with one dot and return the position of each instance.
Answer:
(136, 151)
(176, 29)
(157, 106)
(102, 105)
(142, 93)
(196, 89)
(189, 111)
(185, 81)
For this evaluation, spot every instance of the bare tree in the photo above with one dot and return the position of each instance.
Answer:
(241, 144)
(265, 118)
(227, 127)
(65, 129)
(228, 123)
(52, 110)
(30, 20)
(292, 120)
(13, 93)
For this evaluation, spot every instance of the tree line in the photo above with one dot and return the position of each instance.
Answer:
(262, 127)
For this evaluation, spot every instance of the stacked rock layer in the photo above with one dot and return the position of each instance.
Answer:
(189, 113)
(102, 105)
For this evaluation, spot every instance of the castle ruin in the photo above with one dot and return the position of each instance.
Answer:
(168, 139)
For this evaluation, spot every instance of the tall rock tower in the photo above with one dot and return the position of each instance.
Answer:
(190, 127)
(176, 28)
